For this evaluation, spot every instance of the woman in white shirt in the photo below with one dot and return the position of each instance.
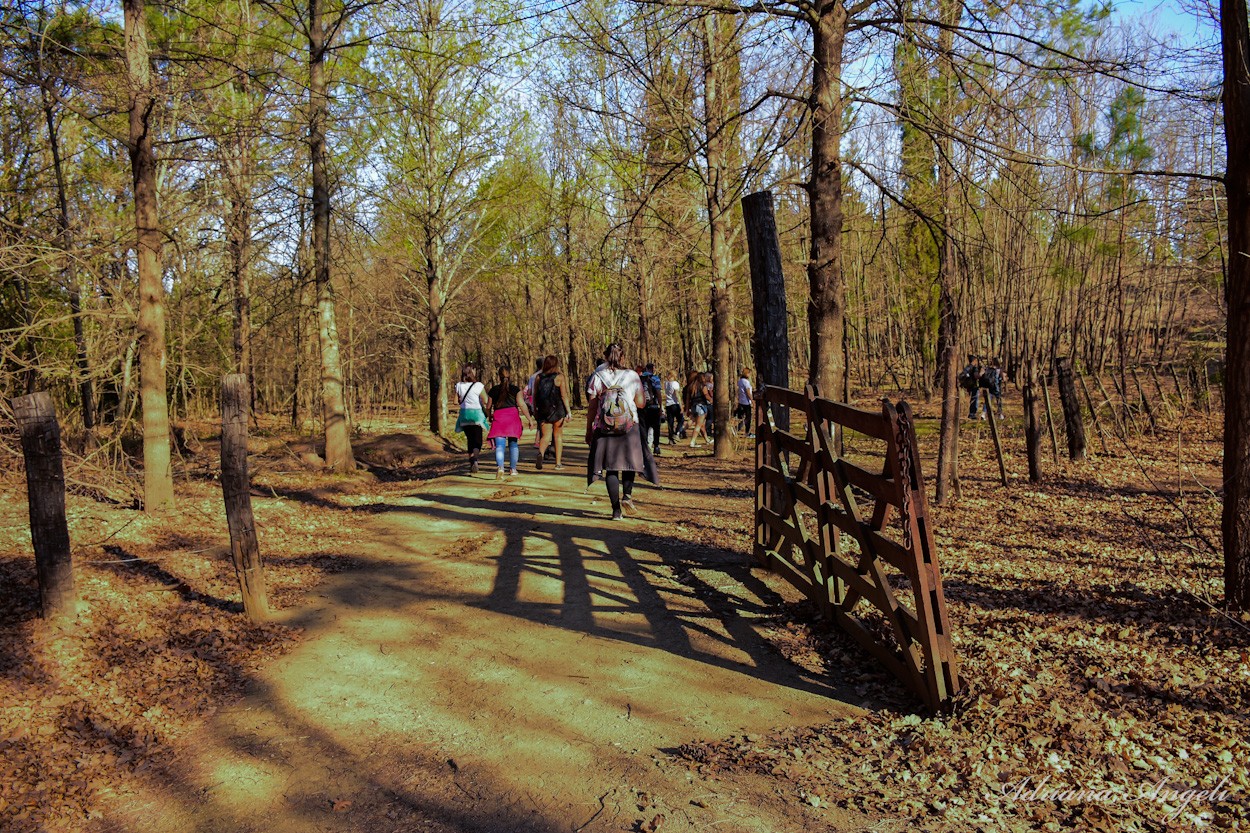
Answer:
(617, 453)
(672, 409)
(472, 419)
(743, 411)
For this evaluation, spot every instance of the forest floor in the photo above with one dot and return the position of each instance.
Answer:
(451, 653)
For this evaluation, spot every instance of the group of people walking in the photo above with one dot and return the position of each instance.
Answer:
(627, 411)
(543, 403)
(984, 384)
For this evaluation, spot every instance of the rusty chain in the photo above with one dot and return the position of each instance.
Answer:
(903, 437)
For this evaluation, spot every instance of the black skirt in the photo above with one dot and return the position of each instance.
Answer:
(625, 452)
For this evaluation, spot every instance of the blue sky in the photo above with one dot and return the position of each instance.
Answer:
(1192, 21)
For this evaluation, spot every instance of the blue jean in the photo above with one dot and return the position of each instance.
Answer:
(510, 444)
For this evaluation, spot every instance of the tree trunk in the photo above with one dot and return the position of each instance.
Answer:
(948, 305)
(1235, 32)
(826, 281)
(238, 165)
(45, 491)
(334, 409)
(158, 480)
(236, 408)
(1071, 408)
(436, 354)
(716, 110)
(948, 363)
(572, 374)
(1032, 423)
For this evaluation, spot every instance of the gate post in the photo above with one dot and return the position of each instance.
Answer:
(45, 491)
(770, 343)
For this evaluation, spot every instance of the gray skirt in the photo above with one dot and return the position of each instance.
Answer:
(624, 453)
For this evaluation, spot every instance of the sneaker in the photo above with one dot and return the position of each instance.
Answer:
(512, 473)
(538, 464)
(628, 503)
(616, 515)
(499, 474)
(657, 451)
(473, 467)
(559, 467)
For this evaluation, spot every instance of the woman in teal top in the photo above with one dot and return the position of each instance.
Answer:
(472, 419)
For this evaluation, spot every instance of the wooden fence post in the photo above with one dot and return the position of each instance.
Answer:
(1071, 409)
(770, 344)
(1050, 419)
(998, 444)
(236, 489)
(45, 491)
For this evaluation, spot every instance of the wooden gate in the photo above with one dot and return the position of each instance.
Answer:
(824, 522)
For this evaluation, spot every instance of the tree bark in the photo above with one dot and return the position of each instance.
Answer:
(436, 343)
(236, 396)
(45, 491)
(238, 170)
(826, 280)
(158, 481)
(1071, 408)
(716, 110)
(1032, 423)
(1235, 33)
(948, 267)
(334, 408)
(573, 375)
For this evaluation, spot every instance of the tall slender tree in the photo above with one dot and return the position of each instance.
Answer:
(334, 406)
(1235, 32)
(158, 483)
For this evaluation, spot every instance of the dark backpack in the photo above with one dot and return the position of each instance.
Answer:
(650, 391)
(968, 378)
(616, 414)
(545, 396)
(992, 381)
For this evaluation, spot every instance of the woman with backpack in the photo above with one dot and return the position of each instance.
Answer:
(506, 406)
(472, 417)
(616, 449)
(695, 399)
(551, 409)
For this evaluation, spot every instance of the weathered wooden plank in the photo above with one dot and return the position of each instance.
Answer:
(785, 397)
(882, 489)
(868, 423)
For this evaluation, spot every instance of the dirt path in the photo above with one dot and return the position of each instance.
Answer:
(504, 659)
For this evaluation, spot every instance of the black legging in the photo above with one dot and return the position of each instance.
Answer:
(652, 418)
(615, 479)
(676, 420)
(473, 434)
